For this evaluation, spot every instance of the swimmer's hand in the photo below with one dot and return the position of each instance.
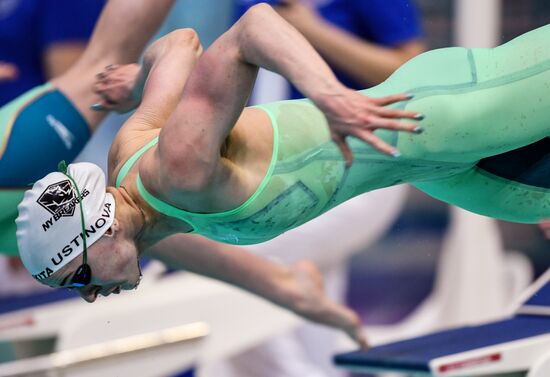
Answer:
(120, 88)
(8, 72)
(312, 303)
(350, 113)
(545, 226)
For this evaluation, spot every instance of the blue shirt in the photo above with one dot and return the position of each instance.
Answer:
(384, 22)
(29, 27)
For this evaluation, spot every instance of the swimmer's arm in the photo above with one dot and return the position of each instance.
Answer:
(297, 287)
(167, 65)
(220, 85)
(157, 85)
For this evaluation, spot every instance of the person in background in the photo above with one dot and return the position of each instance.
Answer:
(41, 39)
(364, 42)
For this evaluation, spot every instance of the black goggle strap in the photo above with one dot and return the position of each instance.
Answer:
(62, 167)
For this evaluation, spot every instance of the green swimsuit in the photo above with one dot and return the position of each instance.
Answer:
(485, 147)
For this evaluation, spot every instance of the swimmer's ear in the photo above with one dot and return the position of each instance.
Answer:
(112, 229)
(109, 233)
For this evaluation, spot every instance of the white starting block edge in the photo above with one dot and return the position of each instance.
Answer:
(236, 321)
(521, 306)
(63, 360)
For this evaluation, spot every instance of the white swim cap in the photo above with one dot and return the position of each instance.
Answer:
(49, 225)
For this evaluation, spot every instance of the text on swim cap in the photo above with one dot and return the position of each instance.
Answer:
(68, 249)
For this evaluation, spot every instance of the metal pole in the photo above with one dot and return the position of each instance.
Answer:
(477, 23)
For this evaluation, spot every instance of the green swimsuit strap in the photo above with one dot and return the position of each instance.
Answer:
(191, 217)
(150, 199)
(132, 160)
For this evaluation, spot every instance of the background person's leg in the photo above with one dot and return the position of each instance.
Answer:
(124, 28)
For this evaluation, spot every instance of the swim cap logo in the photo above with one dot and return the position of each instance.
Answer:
(60, 200)
(56, 199)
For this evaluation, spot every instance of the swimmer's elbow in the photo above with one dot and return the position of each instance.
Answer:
(184, 38)
(257, 14)
(260, 9)
(175, 42)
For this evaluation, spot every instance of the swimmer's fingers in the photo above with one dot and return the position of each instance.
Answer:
(394, 125)
(116, 86)
(386, 112)
(356, 332)
(389, 100)
(344, 147)
(103, 90)
(107, 90)
(106, 72)
(370, 138)
(111, 67)
(103, 105)
(99, 87)
(339, 316)
(361, 338)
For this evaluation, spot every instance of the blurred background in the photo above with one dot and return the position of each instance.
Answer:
(388, 279)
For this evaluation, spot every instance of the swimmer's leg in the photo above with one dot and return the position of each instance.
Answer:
(513, 186)
(478, 102)
(479, 191)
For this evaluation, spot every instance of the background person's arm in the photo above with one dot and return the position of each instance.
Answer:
(123, 29)
(363, 60)
(59, 57)
(63, 31)
(297, 287)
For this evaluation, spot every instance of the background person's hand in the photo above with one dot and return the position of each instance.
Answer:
(8, 72)
(350, 113)
(118, 88)
(312, 303)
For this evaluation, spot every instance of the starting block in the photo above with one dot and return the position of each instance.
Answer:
(517, 343)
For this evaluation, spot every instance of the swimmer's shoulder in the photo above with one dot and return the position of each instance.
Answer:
(126, 143)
